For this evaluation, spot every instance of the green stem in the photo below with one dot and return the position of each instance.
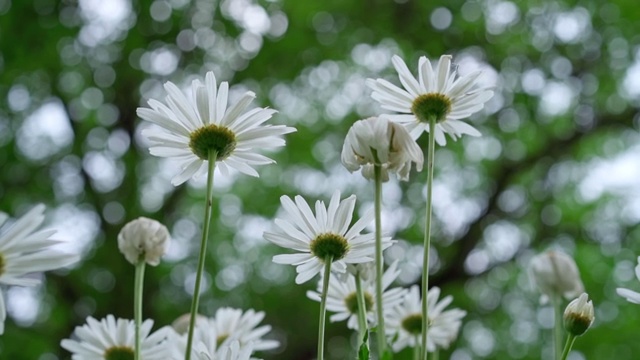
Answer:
(203, 251)
(558, 329)
(416, 349)
(436, 355)
(323, 306)
(137, 302)
(362, 311)
(377, 170)
(427, 236)
(567, 347)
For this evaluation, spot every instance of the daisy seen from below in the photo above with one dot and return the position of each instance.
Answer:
(630, 295)
(405, 321)
(111, 339)
(342, 295)
(378, 141)
(190, 129)
(323, 235)
(436, 95)
(25, 250)
(232, 351)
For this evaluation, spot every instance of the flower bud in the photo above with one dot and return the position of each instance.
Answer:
(556, 274)
(379, 141)
(578, 316)
(143, 238)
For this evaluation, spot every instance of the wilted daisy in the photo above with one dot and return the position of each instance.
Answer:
(110, 339)
(143, 237)
(435, 95)
(556, 275)
(378, 141)
(343, 301)
(405, 321)
(630, 295)
(25, 250)
(322, 235)
(192, 128)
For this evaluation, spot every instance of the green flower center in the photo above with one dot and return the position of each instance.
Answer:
(119, 353)
(432, 105)
(413, 324)
(212, 137)
(351, 301)
(329, 245)
(2, 264)
(220, 339)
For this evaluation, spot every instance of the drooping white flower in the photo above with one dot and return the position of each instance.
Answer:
(325, 234)
(434, 94)
(579, 315)
(115, 339)
(143, 237)
(556, 275)
(378, 141)
(628, 294)
(404, 322)
(193, 128)
(342, 295)
(25, 250)
(226, 327)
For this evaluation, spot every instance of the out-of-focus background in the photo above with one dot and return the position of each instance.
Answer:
(558, 165)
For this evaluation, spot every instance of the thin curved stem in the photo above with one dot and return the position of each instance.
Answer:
(567, 346)
(377, 170)
(213, 155)
(323, 306)
(137, 302)
(427, 236)
(558, 329)
(362, 311)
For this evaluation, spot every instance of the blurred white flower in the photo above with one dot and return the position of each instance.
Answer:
(193, 128)
(342, 296)
(435, 94)
(232, 351)
(325, 234)
(378, 141)
(579, 315)
(404, 322)
(631, 295)
(143, 238)
(556, 275)
(25, 250)
(115, 339)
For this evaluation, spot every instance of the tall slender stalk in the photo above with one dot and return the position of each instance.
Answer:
(427, 236)
(377, 171)
(558, 328)
(567, 346)
(213, 155)
(417, 349)
(362, 311)
(323, 306)
(137, 302)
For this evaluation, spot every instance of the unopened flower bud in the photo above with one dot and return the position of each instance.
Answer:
(143, 238)
(578, 316)
(556, 274)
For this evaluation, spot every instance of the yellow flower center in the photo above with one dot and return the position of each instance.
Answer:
(119, 353)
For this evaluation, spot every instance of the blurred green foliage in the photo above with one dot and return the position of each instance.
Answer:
(558, 165)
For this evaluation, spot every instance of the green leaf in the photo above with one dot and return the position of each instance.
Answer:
(388, 355)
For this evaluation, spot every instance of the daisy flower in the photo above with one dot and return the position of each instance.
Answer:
(630, 295)
(435, 95)
(377, 141)
(232, 351)
(556, 275)
(405, 321)
(25, 250)
(342, 296)
(115, 339)
(325, 234)
(193, 128)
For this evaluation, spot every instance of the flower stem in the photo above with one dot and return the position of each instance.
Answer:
(436, 355)
(203, 250)
(567, 347)
(323, 306)
(417, 349)
(377, 170)
(558, 329)
(427, 236)
(362, 311)
(137, 302)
